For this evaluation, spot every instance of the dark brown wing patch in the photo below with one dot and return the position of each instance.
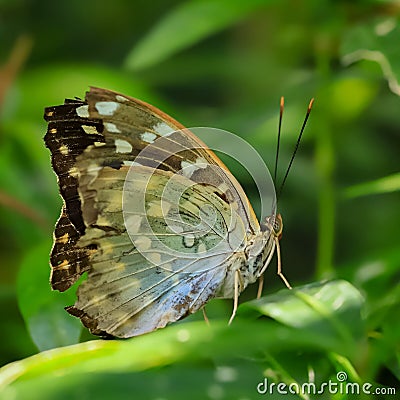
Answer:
(67, 139)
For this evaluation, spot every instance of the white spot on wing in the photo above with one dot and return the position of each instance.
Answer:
(155, 258)
(120, 98)
(112, 128)
(63, 239)
(175, 228)
(131, 164)
(74, 171)
(223, 187)
(163, 129)
(122, 146)
(99, 144)
(107, 107)
(201, 162)
(167, 267)
(148, 137)
(154, 210)
(133, 223)
(188, 240)
(83, 111)
(157, 209)
(90, 129)
(64, 150)
(202, 248)
(188, 168)
(143, 243)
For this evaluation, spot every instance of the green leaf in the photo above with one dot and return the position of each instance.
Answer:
(388, 184)
(186, 25)
(312, 321)
(331, 307)
(376, 41)
(42, 309)
(180, 381)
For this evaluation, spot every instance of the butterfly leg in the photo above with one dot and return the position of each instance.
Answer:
(261, 276)
(206, 320)
(260, 286)
(236, 296)
(279, 271)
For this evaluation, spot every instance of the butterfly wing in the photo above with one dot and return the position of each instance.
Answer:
(136, 286)
(93, 144)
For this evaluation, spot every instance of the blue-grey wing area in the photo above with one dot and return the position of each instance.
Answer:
(144, 300)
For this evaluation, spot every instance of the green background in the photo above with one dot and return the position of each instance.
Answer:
(221, 64)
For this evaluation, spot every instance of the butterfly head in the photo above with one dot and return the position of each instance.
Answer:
(273, 224)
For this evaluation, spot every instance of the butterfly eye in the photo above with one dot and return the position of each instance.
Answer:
(278, 226)
(273, 223)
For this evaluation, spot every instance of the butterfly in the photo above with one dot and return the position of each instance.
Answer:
(152, 215)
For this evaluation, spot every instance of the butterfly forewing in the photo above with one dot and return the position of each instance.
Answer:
(133, 128)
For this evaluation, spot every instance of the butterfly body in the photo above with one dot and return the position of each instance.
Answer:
(248, 263)
(152, 215)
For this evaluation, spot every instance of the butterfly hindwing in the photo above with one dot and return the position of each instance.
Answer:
(130, 281)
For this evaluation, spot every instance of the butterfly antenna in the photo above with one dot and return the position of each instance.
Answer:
(296, 147)
(279, 137)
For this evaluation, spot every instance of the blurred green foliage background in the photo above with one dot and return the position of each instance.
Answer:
(222, 64)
